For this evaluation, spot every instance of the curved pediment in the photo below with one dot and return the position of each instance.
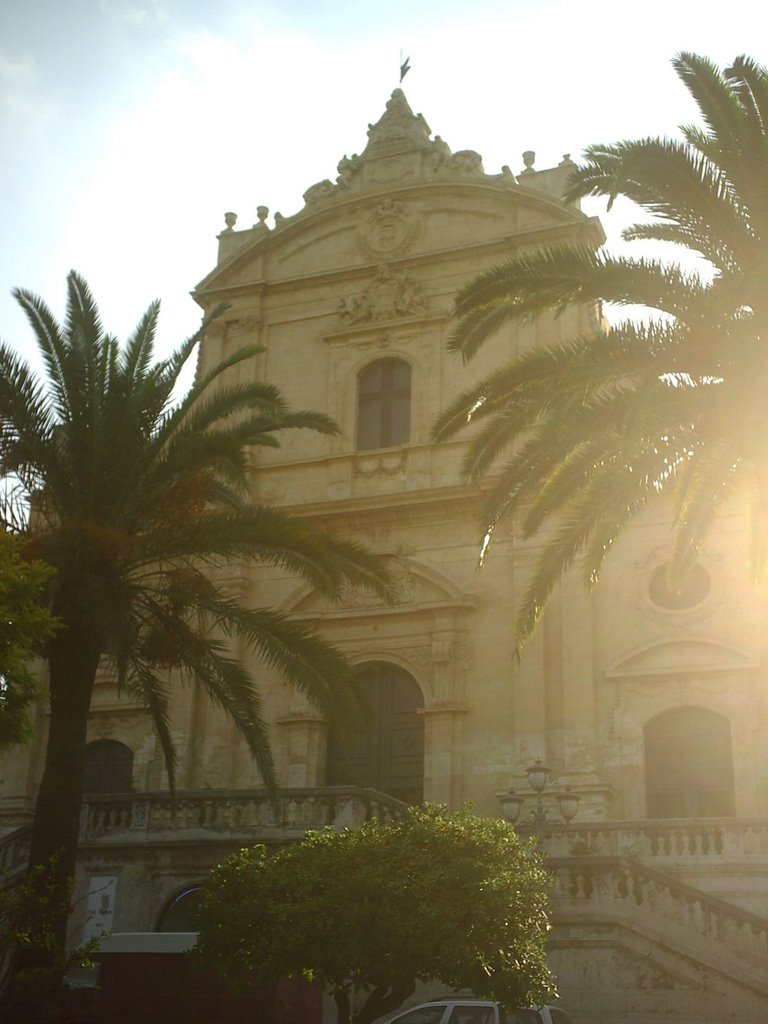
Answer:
(415, 586)
(356, 230)
(692, 655)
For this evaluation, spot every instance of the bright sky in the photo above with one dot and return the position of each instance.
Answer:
(128, 127)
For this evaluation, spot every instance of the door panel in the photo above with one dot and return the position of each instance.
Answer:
(388, 752)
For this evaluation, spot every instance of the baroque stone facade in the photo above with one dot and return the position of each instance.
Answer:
(651, 706)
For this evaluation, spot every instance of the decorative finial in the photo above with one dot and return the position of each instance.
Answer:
(230, 219)
(262, 212)
(529, 158)
(405, 66)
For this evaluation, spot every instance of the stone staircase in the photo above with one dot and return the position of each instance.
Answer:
(635, 944)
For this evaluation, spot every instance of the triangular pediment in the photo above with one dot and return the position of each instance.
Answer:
(416, 586)
(693, 655)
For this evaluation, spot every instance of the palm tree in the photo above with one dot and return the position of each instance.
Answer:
(582, 435)
(136, 502)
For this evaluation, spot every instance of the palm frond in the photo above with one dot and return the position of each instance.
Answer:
(702, 489)
(575, 439)
(52, 346)
(614, 495)
(524, 287)
(151, 689)
(254, 534)
(136, 357)
(675, 185)
(717, 101)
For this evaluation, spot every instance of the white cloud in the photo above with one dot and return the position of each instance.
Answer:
(137, 14)
(27, 111)
(17, 69)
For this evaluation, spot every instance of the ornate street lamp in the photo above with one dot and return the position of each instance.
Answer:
(538, 779)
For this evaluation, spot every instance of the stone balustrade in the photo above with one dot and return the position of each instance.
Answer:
(671, 840)
(588, 888)
(248, 814)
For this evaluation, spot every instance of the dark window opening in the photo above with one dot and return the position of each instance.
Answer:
(384, 404)
(689, 765)
(178, 913)
(108, 768)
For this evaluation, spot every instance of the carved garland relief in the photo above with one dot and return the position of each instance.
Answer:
(352, 596)
(389, 296)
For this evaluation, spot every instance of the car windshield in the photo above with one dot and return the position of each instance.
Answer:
(422, 1015)
(472, 1015)
(523, 1017)
(560, 1016)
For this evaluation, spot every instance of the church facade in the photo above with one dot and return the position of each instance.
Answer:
(650, 706)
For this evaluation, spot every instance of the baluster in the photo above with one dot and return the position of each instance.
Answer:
(139, 817)
(642, 841)
(638, 890)
(262, 811)
(302, 811)
(718, 841)
(698, 842)
(325, 812)
(714, 929)
(697, 918)
(291, 812)
(579, 885)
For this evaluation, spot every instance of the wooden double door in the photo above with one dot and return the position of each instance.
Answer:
(387, 754)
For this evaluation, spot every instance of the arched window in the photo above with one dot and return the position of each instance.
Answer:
(689, 765)
(388, 753)
(108, 767)
(383, 404)
(177, 914)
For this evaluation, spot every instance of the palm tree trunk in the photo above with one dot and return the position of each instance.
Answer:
(33, 985)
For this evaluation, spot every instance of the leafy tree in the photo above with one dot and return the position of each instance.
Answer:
(27, 919)
(586, 433)
(137, 502)
(434, 895)
(25, 623)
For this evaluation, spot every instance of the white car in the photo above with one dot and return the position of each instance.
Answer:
(477, 1011)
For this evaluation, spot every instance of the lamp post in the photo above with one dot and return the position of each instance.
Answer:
(538, 780)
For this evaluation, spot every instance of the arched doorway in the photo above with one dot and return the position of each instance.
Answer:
(689, 764)
(388, 754)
